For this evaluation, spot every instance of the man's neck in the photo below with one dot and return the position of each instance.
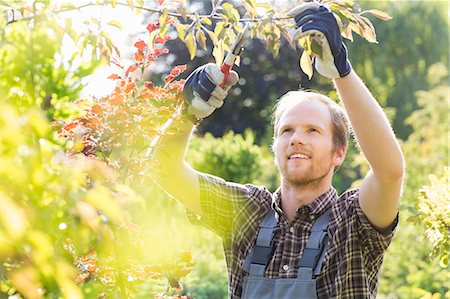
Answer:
(295, 196)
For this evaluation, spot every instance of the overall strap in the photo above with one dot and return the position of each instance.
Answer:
(258, 258)
(311, 261)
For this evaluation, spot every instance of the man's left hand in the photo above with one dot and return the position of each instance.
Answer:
(319, 23)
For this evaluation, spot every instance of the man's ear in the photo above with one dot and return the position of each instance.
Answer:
(340, 156)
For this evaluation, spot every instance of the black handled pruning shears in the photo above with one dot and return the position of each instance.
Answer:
(234, 52)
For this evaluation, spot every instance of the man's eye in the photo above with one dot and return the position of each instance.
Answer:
(286, 130)
(313, 130)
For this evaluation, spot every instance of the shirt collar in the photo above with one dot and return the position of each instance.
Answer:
(316, 207)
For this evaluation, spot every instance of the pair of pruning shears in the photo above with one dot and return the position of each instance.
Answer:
(235, 51)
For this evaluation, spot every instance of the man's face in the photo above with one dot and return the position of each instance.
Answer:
(304, 151)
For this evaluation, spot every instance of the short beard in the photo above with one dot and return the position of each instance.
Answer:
(305, 180)
(309, 182)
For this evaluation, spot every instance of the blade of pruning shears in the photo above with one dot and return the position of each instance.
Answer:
(234, 52)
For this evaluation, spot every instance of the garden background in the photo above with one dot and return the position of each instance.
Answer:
(87, 86)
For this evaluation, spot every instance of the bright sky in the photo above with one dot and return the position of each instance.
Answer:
(132, 27)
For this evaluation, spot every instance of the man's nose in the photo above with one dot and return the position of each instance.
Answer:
(297, 138)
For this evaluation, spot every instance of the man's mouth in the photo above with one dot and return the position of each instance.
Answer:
(298, 156)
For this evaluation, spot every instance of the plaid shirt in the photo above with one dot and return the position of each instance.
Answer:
(355, 252)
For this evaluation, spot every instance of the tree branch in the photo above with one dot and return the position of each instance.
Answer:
(155, 10)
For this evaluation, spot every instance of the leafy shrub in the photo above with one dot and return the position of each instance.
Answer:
(235, 158)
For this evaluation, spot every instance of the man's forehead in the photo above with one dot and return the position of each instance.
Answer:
(313, 112)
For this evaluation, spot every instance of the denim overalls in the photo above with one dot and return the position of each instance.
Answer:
(256, 286)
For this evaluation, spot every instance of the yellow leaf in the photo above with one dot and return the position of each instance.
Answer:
(379, 14)
(191, 44)
(206, 21)
(151, 40)
(368, 30)
(218, 53)
(306, 64)
(356, 28)
(201, 39)
(130, 3)
(181, 31)
(219, 29)
(213, 37)
(347, 32)
(115, 23)
(305, 43)
(163, 17)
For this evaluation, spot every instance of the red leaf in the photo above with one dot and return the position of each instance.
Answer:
(140, 45)
(175, 72)
(161, 51)
(130, 70)
(116, 63)
(97, 109)
(149, 84)
(161, 40)
(178, 69)
(152, 26)
(114, 77)
(170, 20)
(169, 78)
(129, 87)
(71, 125)
(139, 56)
(161, 2)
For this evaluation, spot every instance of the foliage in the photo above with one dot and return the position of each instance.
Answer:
(410, 44)
(208, 279)
(233, 157)
(32, 70)
(58, 200)
(119, 128)
(426, 152)
(433, 210)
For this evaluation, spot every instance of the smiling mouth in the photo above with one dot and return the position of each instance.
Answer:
(299, 156)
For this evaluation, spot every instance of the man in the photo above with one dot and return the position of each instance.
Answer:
(304, 241)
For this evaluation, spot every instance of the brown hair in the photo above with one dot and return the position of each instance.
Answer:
(340, 123)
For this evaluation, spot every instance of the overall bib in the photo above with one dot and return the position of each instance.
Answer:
(256, 286)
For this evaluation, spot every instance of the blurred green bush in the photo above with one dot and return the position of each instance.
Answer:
(235, 158)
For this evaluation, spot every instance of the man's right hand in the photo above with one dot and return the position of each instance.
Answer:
(202, 91)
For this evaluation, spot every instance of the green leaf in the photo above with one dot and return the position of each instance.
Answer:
(191, 44)
(115, 23)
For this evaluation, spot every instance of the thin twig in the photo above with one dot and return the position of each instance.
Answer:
(212, 15)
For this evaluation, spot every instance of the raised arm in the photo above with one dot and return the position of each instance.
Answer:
(381, 188)
(203, 96)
